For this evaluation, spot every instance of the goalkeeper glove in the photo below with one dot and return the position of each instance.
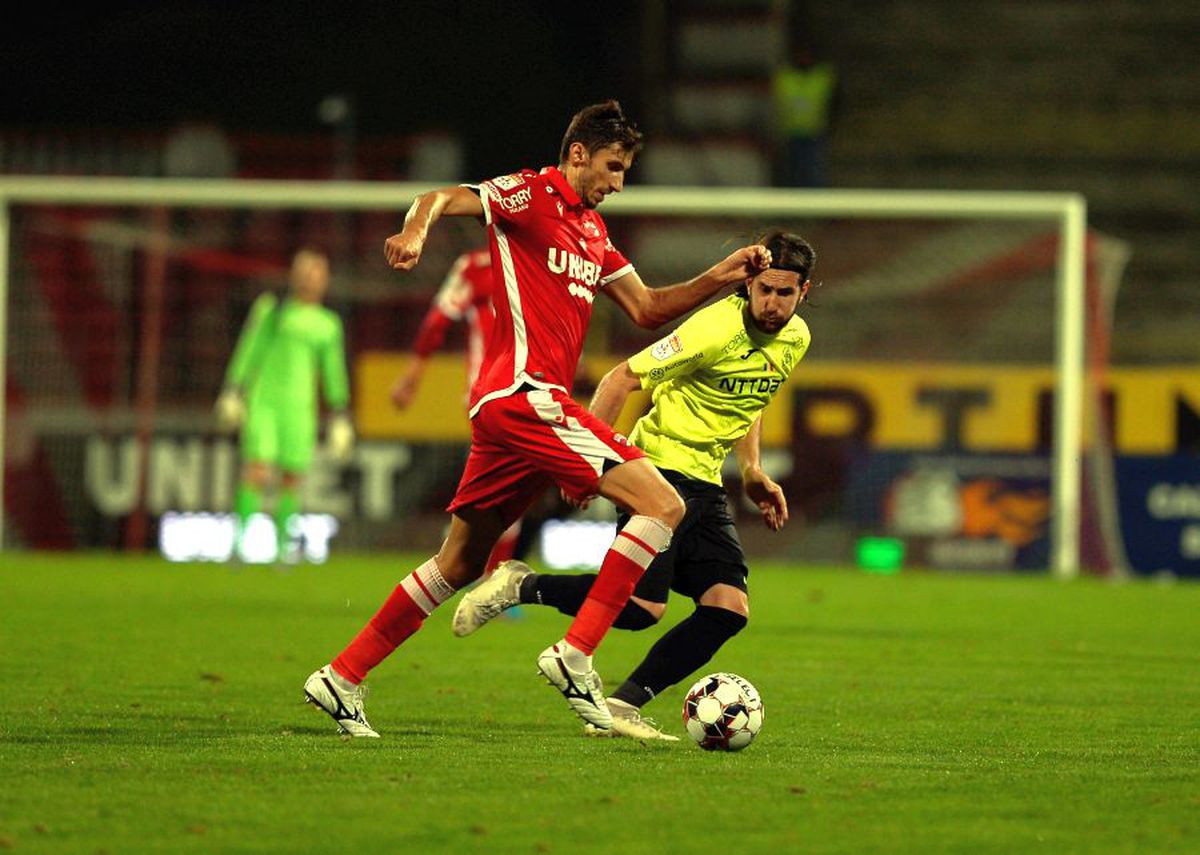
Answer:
(230, 410)
(341, 437)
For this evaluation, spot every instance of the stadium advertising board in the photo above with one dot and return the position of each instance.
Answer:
(1160, 513)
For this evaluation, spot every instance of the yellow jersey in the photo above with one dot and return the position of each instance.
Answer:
(711, 378)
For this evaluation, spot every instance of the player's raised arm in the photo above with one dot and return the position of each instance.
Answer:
(403, 250)
(652, 307)
(760, 489)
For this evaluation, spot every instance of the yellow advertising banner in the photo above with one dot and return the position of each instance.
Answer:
(995, 408)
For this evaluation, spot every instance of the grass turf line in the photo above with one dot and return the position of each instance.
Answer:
(157, 708)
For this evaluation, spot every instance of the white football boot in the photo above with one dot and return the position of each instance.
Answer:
(495, 594)
(345, 708)
(583, 690)
(628, 722)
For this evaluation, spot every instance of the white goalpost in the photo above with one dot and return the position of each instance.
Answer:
(1064, 212)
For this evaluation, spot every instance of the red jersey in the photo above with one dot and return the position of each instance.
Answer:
(465, 295)
(550, 255)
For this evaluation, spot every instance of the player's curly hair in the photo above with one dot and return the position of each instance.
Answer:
(600, 125)
(788, 252)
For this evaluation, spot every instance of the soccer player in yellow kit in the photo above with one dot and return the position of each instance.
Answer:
(271, 392)
(711, 379)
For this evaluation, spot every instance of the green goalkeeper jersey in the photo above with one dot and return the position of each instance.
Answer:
(282, 348)
(711, 378)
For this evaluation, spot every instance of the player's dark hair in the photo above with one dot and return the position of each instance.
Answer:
(598, 126)
(788, 252)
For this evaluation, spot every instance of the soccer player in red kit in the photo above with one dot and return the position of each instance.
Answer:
(551, 255)
(465, 296)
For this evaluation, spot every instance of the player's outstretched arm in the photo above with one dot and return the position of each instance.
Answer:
(404, 390)
(652, 307)
(760, 489)
(613, 390)
(403, 250)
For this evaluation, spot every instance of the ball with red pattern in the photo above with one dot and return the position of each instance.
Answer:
(722, 712)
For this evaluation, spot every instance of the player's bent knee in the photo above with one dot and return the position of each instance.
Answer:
(727, 598)
(668, 508)
(639, 487)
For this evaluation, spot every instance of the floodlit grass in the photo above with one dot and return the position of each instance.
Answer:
(157, 708)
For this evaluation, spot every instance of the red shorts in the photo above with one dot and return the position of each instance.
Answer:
(524, 442)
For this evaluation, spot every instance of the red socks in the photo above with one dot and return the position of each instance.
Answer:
(635, 547)
(417, 595)
(423, 590)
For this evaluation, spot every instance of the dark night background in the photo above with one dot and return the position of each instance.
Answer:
(504, 76)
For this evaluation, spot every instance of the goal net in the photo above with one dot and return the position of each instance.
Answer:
(940, 417)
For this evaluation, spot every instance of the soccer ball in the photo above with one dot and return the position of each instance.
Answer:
(722, 712)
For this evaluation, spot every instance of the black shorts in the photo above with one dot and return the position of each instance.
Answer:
(704, 550)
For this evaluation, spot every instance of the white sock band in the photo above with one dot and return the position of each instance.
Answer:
(427, 587)
(642, 538)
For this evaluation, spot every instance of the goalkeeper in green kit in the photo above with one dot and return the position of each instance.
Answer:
(271, 393)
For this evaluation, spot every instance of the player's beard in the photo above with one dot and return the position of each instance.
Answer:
(591, 196)
(767, 325)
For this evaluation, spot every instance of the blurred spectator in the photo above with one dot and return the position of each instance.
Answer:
(802, 94)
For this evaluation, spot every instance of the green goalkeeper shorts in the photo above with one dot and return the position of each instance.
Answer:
(279, 436)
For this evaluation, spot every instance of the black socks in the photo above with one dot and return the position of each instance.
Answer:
(567, 593)
(685, 648)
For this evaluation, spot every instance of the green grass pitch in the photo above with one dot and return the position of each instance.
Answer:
(151, 708)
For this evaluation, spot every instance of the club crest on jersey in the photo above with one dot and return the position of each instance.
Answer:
(667, 348)
(590, 227)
